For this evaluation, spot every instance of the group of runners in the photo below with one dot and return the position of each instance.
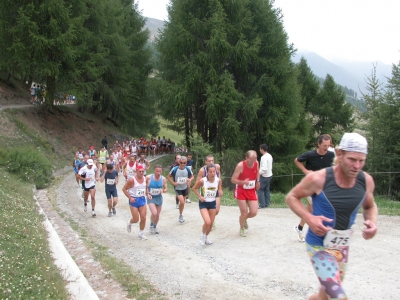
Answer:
(334, 183)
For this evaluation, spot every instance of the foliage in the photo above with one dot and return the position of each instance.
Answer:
(383, 115)
(28, 164)
(226, 74)
(27, 270)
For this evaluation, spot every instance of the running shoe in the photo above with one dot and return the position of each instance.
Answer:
(114, 211)
(188, 200)
(128, 225)
(202, 239)
(152, 231)
(181, 219)
(142, 236)
(242, 232)
(246, 226)
(93, 214)
(156, 230)
(208, 241)
(299, 234)
(84, 206)
(109, 214)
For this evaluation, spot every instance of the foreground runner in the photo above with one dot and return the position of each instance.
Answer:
(135, 189)
(247, 180)
(90, 177)
(157, 185)
(338, 192)
(111, 178)
(210, 187)
(180, 176)
(314, 160)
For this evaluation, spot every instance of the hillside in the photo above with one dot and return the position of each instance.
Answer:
(153, 25)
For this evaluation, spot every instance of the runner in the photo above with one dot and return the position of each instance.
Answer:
(111, 178)
(157, 185)
(103, 156)
(315, 160)
(176, 163)
(75, 164)
(130, 167)
(163, 145)
(247, 180)
(144, 163)
(209, 160)
(210, 186)
(91, 176)
(135, 189)
(337, 194)
(153, 145)
(180, 176)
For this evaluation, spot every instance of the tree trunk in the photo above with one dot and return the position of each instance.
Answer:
(50, 91)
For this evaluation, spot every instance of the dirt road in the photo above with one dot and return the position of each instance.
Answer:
(267, 264)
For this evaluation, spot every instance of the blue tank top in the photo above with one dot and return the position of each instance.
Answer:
(336, 203)
(155, 184)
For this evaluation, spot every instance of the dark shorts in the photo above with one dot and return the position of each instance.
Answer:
(163, 145)
(181, 192)
(208, 205)
(112, 193)
(138, 203)
(88, 189)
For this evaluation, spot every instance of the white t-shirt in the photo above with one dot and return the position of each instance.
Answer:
(266, 165)
(90, 173)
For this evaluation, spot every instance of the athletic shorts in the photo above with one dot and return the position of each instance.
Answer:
(181, 192)
(88, 189)
(157, 200)
(208, 205)
(249, 195)
(330, 267)
(112, 193)
(141, 201)
(163, 145)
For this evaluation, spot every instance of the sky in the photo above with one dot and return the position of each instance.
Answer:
(350, 30)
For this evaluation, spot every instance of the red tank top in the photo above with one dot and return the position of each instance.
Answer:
(250, 173)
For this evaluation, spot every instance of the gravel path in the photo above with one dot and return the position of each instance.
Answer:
(267, 264)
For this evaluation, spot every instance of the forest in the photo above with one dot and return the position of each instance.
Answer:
(220, 73)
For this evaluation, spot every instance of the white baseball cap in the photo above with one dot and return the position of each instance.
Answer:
(90, 162)
(354, 142)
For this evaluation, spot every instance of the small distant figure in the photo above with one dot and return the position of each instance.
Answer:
(104, 141)
(33, 93)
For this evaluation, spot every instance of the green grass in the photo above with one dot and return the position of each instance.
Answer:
(169, 134)
(27, 270)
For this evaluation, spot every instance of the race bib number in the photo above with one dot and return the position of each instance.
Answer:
(182, 180)
(335, 239)
(130, 172)
(110, 181)
(140, 192)
(251, 185)
(210, 194)
(155, 192)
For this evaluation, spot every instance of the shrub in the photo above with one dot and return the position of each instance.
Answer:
(29, 164)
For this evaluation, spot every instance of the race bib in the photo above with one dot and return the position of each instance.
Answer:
(182, 180)
(140, 192)
(110, 181)
(155, 192)
(335, 239)
(251, 185)
(210, 194)
(130, 172)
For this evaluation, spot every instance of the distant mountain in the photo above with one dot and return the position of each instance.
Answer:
(350, 74)
(153, 25)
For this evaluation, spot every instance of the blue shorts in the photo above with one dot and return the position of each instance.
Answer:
(208, 205)
(141, 201)
(112, 193)
(157, 200)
